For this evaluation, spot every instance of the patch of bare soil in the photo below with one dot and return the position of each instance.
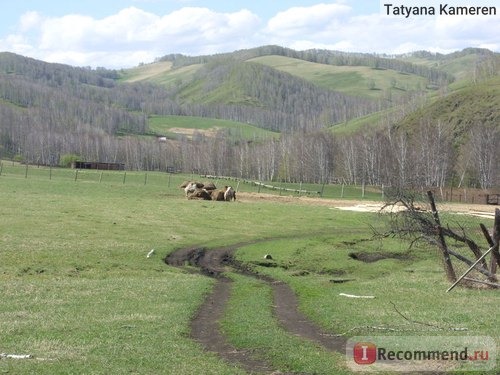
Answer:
(374, 257)
(189, 132)
(480, 210)
(205, 327)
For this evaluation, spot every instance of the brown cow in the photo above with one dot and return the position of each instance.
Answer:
(209, 186)
(200, 194)
(217, 195)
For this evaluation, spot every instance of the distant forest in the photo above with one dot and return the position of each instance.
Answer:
(52, 113)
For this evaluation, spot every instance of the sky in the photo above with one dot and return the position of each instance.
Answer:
(125, 33)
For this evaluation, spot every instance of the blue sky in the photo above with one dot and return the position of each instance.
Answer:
(124, 33)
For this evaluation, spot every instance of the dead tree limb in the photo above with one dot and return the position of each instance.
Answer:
(495, 254)
(495, 285)
(470, 269)
(424, 323)
(471, 244)
(491, 243)
(450, 272)
(469, 262)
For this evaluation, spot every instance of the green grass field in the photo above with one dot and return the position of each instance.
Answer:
(79, 294)
(163, 125)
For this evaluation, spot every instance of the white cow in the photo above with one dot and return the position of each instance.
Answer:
(229, 193)
(190, 188)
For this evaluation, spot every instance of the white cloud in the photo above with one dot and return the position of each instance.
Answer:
(334, 26)
(132, 35)
(29, 20)
(300, 20)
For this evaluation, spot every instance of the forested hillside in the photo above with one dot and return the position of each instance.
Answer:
(421, 115)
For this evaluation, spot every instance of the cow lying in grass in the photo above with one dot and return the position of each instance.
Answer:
(229, 193)
(200, 194)
(207, 191)
(217, 195)
(190, 187)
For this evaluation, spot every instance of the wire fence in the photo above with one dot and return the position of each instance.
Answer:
(173, 180)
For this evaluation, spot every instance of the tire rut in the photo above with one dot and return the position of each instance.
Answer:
(205, 325)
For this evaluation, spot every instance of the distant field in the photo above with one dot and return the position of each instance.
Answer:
(146, 71)
(352, 80)
(160, 73)
(173, 126)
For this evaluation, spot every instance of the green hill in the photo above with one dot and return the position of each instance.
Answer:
(363, 81)
(290, 102)
(462, 109)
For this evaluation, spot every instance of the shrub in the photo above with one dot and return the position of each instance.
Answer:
(67, 159)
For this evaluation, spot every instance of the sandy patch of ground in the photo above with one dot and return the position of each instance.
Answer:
(151, 70)
(480, 210)
(188, 132)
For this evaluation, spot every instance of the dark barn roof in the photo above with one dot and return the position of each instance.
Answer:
(98, 165)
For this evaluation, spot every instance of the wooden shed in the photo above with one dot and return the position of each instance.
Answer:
(98, 165)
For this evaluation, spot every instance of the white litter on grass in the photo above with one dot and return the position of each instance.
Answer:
(16, 356)
(373, 208)
(150, 254)
(354, 296)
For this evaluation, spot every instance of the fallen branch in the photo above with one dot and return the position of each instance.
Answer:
(495, 285)
(470, 269)
(423, 323)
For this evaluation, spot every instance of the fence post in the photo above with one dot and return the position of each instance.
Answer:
(100, 177)
(26, 172)
(450, 273)
(124, 176)
(495, 255)
(76, 174)
(146, 178)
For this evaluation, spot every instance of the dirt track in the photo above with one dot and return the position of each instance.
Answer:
(214, 262)
(205, 327)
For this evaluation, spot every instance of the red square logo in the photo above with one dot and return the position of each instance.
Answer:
(365, 353)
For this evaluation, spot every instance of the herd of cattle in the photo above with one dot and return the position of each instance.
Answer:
(207, 191)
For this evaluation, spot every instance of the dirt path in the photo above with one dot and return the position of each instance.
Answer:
(205, 326)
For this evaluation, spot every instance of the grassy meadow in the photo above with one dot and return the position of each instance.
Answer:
(79, 294)
(163, 125)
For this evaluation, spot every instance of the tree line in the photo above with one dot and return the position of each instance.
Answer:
(49, 111)
(327, 57)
